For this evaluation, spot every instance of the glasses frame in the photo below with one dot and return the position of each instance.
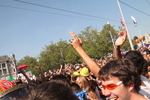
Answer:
(115, 84)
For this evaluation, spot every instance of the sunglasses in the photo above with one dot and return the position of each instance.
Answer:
(111, 86)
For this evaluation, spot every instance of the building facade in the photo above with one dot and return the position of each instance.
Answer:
(8, 67)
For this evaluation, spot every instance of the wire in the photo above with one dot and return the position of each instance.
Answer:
(47, 12)
(64, 10)
(135, 9)
(147, 2)
(61, 10)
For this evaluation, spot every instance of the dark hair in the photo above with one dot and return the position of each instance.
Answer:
(51, 91)
(75, 87)
(137, 59)
(93, 84)
(61, 79)
(147, 51)
(124, 70)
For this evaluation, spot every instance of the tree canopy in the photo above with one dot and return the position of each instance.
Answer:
(96, 44)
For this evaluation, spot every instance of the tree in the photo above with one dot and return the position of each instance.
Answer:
(56, 54)
(98, 44)
(31, 61)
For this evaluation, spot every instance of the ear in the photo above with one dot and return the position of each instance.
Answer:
(131, 87)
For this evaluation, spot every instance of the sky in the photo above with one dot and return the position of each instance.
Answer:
(27, 27)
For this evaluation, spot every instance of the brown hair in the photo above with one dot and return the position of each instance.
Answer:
(124, 70)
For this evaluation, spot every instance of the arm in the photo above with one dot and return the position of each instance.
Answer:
(119, 42)
(27, 78)
(41, 72)
(76, 43)
(60, 70)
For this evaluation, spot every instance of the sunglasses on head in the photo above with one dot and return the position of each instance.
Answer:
(111, 86)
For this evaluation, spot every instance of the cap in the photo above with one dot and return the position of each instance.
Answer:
(84, 71)
(75, 74)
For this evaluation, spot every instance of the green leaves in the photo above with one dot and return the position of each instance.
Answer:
(96, 43)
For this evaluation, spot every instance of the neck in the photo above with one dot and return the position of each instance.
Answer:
(137, 96)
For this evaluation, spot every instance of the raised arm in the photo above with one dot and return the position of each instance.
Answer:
(25, 75)
(119, 42)
(41, 72)
(76, 43)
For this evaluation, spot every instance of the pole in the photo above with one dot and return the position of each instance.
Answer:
(111, 37)
(131, 45)
(63, 64)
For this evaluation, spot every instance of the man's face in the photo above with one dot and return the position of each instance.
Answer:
(118, 92)
(146, 57)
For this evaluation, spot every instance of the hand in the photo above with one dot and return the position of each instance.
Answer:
(122, 38)
(38, 68)
(61, 66)
(75, 42)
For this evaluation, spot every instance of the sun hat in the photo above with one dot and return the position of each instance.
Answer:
(84, 71)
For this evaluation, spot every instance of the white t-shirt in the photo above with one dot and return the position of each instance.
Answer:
(145, 90)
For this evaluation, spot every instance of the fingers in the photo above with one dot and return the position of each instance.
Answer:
(120, 33)
(125, 30)
(73, 35)
(80, 40)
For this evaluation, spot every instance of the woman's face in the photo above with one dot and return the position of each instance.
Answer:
(78, 81)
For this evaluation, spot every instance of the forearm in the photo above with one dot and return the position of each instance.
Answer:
(118, 53)
(27, 78)
(42, 75)
(90, 63)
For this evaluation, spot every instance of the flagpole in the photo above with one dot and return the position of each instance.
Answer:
(131, 45)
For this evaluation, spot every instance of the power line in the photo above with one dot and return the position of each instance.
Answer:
(48, 12)
(61, 14)
(147, 2)
(64, 10)
(135, 9)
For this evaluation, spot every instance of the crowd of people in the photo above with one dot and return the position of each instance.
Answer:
(119, 77)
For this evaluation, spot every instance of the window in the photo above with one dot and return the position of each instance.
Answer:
(3, 66)
(0, 72)
(4, 71)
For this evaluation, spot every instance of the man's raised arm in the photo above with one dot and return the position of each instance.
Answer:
(76, 43)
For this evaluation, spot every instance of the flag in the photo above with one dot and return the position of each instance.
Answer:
(134, 20)
(122, 23)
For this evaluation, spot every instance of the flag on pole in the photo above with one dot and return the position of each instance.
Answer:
(134, 20)
(122, 23)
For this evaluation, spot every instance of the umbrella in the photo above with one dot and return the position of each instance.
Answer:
(22, 66)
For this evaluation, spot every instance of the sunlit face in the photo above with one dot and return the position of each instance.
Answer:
(146, 57)
(114, 89)
(79, 82)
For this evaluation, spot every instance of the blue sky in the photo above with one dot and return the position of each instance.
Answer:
(26, 29)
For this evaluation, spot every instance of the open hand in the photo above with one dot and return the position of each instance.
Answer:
(122, 38)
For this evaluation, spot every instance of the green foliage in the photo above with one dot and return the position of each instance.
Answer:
(56, 54)
(96, 44)
(72, 56)
(31, 61)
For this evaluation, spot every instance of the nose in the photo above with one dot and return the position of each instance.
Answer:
(106, 92)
